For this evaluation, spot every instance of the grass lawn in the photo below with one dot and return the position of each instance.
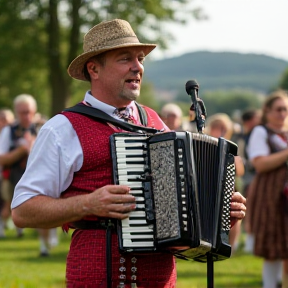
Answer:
(21, 267)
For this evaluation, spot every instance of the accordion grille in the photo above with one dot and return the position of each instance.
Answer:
(162, 157)
(228, 190)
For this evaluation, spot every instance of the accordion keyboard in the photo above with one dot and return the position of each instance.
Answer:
(131, 160)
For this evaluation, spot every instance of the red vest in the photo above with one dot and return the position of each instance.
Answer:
(93, 135)
(96, 170)
(86, 259)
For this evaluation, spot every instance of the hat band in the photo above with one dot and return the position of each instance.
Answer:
(115, 42)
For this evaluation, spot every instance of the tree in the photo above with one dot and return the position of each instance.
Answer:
(50, 34)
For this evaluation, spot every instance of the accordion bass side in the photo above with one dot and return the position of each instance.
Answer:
(183, 183)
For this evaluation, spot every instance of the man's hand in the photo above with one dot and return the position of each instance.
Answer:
(238, 207)
(112, 201)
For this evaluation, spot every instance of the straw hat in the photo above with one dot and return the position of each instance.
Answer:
(107, 35)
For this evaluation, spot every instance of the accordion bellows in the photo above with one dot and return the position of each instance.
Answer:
(183, 184)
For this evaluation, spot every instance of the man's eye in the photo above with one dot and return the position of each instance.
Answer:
(141, 60)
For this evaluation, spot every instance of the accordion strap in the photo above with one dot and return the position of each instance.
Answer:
(102, 116)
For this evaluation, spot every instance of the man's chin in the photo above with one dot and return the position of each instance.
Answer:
(131, 96)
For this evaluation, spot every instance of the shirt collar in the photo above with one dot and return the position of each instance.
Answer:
(108, 109)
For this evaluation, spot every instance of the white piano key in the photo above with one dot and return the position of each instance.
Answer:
(140, 206)
(123, 151)
(140, 229)
(131, 184)
(127, 139)
(129, 243)
(120, 144)
(137, 214)
(128, 222)
(136, 192)
(128, 177)
(128, 159)
(132, 167)
(138, 236)
(139, 199)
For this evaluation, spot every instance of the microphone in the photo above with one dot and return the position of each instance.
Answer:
(192, 88)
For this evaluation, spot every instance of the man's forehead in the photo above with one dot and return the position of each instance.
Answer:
(128, 50)
(24, 105)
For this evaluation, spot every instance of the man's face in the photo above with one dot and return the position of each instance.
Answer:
(25, 114)
(120, 78)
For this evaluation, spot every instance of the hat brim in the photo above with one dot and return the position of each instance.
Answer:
(75, 69)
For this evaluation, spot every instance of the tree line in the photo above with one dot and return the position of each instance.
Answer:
(39, 38)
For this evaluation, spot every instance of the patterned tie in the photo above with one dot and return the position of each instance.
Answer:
(125, 114)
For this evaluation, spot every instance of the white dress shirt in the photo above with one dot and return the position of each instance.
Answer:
(258, 145)
(5, 140)
(56, 156)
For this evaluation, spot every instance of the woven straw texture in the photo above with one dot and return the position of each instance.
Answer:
(107, 35)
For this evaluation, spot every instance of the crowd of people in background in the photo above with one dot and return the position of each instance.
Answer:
(19, 129)
(262, 147)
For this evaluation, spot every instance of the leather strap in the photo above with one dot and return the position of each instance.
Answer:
(102, 116)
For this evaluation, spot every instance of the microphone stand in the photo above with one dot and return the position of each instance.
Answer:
(200, 123)
(200, 112)
(200, 115)
(210, 270)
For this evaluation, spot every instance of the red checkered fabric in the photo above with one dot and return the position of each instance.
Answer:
(86, 264)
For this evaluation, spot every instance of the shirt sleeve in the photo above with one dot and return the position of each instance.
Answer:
(54, 158)
(257, 144)
(5, 140)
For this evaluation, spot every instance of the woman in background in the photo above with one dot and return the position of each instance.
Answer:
(267, 214)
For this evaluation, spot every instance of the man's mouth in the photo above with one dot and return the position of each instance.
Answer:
(136, 81)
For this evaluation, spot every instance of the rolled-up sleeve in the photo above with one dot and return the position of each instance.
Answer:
(54, 158)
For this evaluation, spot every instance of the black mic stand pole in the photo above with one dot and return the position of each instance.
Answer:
(200, 116)
(210, 270)
(192, 89)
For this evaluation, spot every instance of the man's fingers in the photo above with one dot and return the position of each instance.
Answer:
(121, 211)
(118, 215)
(237, 206)
(117, 189)
(125, 198)
(238, 197)
(237, 214)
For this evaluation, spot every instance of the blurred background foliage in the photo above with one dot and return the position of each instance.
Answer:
(39, 38)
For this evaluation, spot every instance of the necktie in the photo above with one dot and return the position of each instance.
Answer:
(125, 114)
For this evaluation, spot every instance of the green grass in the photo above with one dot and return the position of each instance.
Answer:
(21, 267)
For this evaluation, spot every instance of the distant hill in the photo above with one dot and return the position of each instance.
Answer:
(215, 71)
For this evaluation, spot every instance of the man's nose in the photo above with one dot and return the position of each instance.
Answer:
(137, 66)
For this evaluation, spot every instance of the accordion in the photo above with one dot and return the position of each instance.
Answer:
(183, 184)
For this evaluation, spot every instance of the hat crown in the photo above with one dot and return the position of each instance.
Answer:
(109, 33)
(103, 37)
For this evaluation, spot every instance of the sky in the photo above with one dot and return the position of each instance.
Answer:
(245, 26)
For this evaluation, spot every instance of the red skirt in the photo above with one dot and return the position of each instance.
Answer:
(86, 264)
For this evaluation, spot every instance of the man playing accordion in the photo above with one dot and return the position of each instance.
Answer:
(68, 179)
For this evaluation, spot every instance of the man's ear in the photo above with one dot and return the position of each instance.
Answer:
(92, 70)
